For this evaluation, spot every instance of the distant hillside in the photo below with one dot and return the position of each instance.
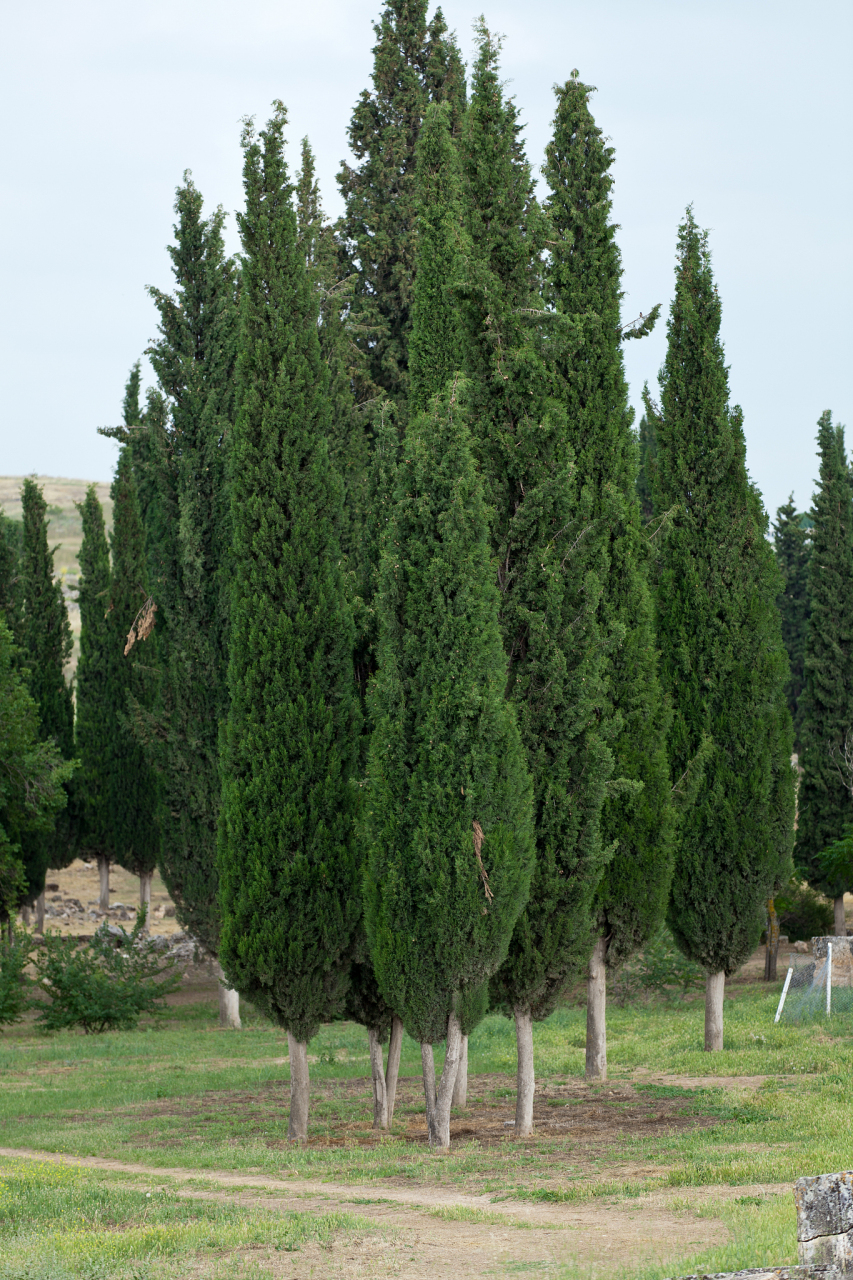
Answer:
(65, 532)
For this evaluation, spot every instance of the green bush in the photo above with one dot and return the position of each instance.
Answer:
(804, 913)
(658, 969)
(14, 985)
(105, 984)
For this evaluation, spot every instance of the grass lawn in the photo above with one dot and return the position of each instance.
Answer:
(702, 1141)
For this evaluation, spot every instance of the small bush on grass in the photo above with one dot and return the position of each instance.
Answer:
(14, 985)
(105, 984)
(803, 913)
(658, 969)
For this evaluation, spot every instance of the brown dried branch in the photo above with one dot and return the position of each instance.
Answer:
(142, 625)
(478, 844)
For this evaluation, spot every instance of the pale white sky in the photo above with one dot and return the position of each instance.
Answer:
(743, 108)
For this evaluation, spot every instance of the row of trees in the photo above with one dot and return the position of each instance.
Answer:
(448, 699)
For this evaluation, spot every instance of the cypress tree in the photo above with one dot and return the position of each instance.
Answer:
(45, 641)
(826, 726)
(415, 62)
(449, 821)
(11, 544)
(722, 658)
(584, 282)
(289, 883)
(548, 587)
(194, 359)
(97, 670)
(792, 543)
(133, 792)
(648, 457)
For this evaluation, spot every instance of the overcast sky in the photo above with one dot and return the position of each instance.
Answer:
(743, 109)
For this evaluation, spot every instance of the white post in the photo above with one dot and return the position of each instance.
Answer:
(828, 978)
(784, 993)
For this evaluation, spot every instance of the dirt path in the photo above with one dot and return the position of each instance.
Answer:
(428, 1231)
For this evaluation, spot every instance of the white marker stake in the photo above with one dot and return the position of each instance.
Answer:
(784, 993)
(828, 978)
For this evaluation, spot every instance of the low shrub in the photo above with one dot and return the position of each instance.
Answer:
(804, 913)
(660, 968)
(103, 984)
(15, 996)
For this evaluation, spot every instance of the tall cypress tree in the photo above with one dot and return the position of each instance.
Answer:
(548, 587)
(584, 282)
(45, 640)
(825, 811)
(11, 544)
(289, 884)
(133, 790)
(648, 461)
(792, 543)
(414, 63)
(722, 658)
(98, 669)
(194, 359)
(448, 819)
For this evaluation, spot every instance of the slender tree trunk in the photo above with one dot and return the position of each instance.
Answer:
(40, 907)
(392, 1071)
(25, 916)
(715, 985)
(145, 892)
(525, 1083)
(772, 952)
(9, 930)
(596, 1011)
(840, 922)
(444, 1092)
(377, 1072)
(297, 1125)
(103, 882)
(229, 1003)
(428, 1067)
(460, 1087)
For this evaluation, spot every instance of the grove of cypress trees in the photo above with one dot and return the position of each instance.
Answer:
(194, 359)
(792, 544)
(448, 805)
(415, 62)
(824, 810)
(45, 643)
(584, 283)
(133, 791)
(97, 671)
(289, 883)
(722, 658)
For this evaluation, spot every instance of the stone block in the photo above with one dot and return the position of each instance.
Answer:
(825, 1220)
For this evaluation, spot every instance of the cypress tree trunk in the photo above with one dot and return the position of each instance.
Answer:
(596, 1006)
(229, 1002)
(715, 986)
(772, 951)
(525, 1085)
(145, 878)
(428, 1069)
(392, 1071)
(440, 1139)
(840, 919)
(40, 905)
(377, 1073)
(297, 1124)
(103, 882)
(460, 1085)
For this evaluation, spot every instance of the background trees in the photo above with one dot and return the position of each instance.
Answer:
(722, 658)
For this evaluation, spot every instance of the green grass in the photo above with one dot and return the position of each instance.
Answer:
(57, 1222)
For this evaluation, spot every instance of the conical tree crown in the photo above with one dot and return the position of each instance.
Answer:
(827, 712)
(289, 885)
(450, 839)
(792, 544)
(722, 657)
(98, 671)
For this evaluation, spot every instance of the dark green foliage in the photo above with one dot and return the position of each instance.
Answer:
(288, 869)
(804, 914)
(415, 63)
(105, 984)
(722, 658)
(98, 672)
(14, 983)
(659, 969)
(11, 541)
(648, 462)
(584, 282)
(33, 781)
(826, 720)
(792, 543)
(448, 805)
(133, 837)
(186, 466)
(548, 586)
